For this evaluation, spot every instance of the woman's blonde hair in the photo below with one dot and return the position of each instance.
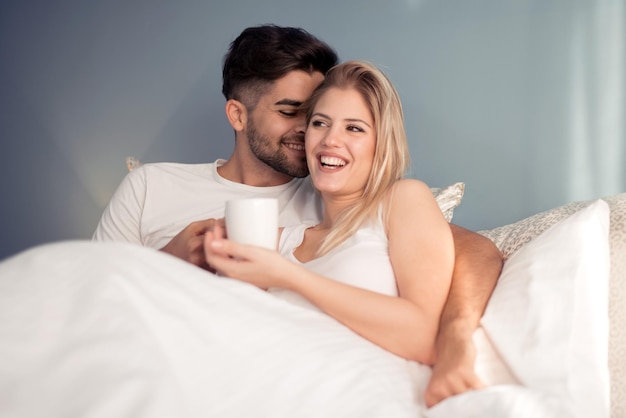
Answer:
(391, 155)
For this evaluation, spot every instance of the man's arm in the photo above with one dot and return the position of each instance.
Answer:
(478, 264)
(121, 218)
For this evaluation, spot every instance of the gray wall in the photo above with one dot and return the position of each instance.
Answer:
(523, 100)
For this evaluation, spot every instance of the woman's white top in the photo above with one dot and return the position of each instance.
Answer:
(361, 261)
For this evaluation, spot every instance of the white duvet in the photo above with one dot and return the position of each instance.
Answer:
(116, 330)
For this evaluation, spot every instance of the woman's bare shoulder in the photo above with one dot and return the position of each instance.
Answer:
(410, 188)
(406, 196)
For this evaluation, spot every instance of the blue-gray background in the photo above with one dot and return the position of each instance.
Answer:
(523, 100)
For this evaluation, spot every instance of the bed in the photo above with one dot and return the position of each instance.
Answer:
(115, 330)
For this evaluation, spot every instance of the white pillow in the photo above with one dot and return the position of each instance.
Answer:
(548, 316)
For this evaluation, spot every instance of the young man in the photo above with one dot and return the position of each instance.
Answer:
(268, 73)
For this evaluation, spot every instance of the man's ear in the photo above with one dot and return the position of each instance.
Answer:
(237, 114)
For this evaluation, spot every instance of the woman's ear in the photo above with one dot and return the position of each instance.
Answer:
(237, 114)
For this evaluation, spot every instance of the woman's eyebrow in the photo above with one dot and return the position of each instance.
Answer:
(358, 120)
(322, 115)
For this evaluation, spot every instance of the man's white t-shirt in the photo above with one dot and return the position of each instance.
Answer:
(156, 201)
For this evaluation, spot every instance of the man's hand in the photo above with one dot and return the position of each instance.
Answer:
(188, 245)
(453, 372)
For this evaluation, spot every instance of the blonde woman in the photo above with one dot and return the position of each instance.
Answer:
(381, 259)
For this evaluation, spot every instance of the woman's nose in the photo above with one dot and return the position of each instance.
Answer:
(332, 138)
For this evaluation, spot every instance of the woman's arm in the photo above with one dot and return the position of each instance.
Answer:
(422, 254)
(405, 325)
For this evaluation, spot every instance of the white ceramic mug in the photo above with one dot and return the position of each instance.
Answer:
(253, 221)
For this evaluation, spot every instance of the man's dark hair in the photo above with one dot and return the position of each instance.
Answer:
(262, 54)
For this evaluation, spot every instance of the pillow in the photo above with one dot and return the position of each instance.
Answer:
(448, 198)
(548, 316)
(510, 238)
(132, 163)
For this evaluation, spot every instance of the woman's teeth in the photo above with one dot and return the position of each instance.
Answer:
(332, 162)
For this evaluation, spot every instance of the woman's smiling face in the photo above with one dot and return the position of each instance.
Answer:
(340, 143)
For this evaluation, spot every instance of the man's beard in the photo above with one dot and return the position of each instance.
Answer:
(277, 159)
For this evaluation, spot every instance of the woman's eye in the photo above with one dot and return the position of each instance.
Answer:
(318, 123)
(354, 128)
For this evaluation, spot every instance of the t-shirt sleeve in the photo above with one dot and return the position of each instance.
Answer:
(121, 220)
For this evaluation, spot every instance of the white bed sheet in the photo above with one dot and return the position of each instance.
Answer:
(116, 330)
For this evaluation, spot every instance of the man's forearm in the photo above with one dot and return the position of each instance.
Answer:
(478, 264)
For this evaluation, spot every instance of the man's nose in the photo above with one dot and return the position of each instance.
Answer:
(300, 124)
